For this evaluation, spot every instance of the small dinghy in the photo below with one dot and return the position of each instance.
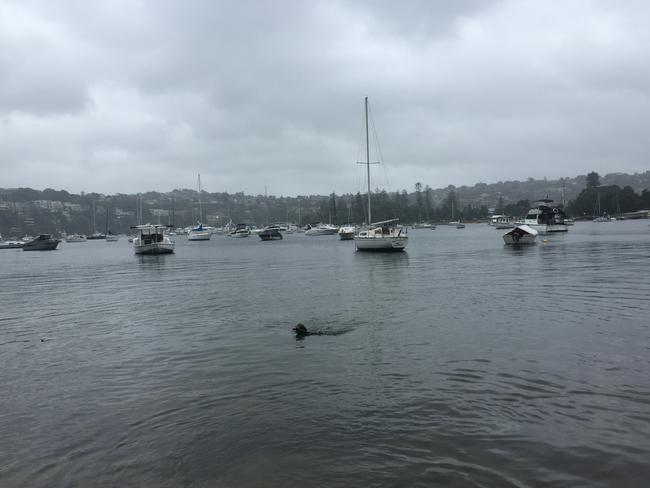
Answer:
(521, 234)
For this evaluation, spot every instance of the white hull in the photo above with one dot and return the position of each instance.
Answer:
(322, 230)
(153, 248)
(75, 238)
(521, 234)
(198, 236)
(346, 233)
(240, 235)
(150, 239)
(112, 238)
(380, 243)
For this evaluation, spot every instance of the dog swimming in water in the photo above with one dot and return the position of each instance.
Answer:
(301, 330)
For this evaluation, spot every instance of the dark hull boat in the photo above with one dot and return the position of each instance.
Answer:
(270, 235)
(44, 242)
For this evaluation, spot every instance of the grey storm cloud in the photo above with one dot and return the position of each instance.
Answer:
(122, 96)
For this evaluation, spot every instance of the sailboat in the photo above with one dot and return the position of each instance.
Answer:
(198, 233)
(379, 236)
(600, 217)
(457, 223)
(94, 234)
(110, 237)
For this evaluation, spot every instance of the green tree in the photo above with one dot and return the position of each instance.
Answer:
(418, 199)
(593, 180)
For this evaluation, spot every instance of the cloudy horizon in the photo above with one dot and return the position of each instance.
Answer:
(120, 96)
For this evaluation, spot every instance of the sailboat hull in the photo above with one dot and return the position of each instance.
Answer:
(381, 244)
(198, 236)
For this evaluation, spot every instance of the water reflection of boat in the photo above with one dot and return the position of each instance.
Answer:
(521, 234)
(43, 242)
(151, 239)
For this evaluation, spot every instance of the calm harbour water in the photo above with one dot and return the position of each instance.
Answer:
(460, 362)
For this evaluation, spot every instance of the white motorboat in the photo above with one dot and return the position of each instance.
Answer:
(241, 230)
(346, 232)
(501, 221)
(199, 233)
(423, 225)
(110, 237)
(546, 218)
(75, 238)
(320, 229)
(380, 236)
(521, 234)
(151, 239)
(458, 224)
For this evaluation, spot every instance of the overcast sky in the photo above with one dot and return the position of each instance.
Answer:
(127, 96)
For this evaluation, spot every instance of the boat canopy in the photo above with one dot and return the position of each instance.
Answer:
(523, 229)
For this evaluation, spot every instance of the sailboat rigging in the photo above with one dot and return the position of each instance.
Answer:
(198, 233)
(379, 236)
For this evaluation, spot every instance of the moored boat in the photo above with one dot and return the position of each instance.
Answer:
(379, 236)
(151, 239)
(521, 234)
(346, 232)
(320, 229)
(75, 238)
(11, 244)
(44, 242)
(270, 234)
(546, 218)
(501, 221)
(241, 230)
(198, 233)
(382, 236)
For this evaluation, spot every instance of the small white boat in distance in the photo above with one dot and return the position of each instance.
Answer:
(242, 230)
(151, 239)
(198, 233)
(75, 238)
(501, 221)
(346, 232)
(110, 237)
(521, 234)
(321, 230)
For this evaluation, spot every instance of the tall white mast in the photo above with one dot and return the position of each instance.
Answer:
(368, 162)
(200, 206)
